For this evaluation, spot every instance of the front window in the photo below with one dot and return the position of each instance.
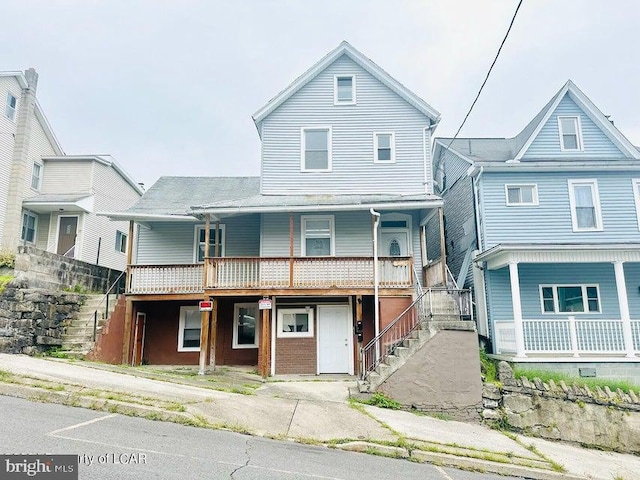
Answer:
(10, 111)
(521, 195)
(569, 128)
(121, 242)
(295, 322)
(316, 149)
(214, 240)
(189, 329)
(570, 298)
(317, 236)
(384, 148)
(245, 325)
(36, 174)
(344, 90)
(585, 205)
(29, 222)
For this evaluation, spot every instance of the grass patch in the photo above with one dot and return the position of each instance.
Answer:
(4, 280)
(592, 383)
(381, 400)
(56, 352)
(488, 367)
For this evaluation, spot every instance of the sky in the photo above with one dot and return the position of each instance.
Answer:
(169, 87)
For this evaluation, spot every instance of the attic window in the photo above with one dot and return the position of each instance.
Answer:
(10, 111)
(570, 133)
(344, 89)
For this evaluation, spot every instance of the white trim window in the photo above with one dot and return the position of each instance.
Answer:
(570, 298)
(245, 325)
(636, 194)
(384, 147)
(316, 149)
(121, 241)
(12, 102)
(318, 235)
(295, 322)
(36, 176)
(189, 329)
(570, 133)
(200, 237)
(521, 195)
(584, 200)
(344, 89)
(29, 226)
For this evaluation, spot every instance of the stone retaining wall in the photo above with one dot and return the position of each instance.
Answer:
(597, 418)
(32, 319)
(47, 270)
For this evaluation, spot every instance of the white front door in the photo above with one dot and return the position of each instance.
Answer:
(335, 340)
(394, 243)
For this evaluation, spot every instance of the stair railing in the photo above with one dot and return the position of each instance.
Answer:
(423, 309)
(105, 299)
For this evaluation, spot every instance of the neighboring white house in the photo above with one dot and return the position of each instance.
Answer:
(49, 199)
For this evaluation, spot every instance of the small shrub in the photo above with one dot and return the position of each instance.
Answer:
(4, 280)
(382, 401)
(7, 258)
(488, 367)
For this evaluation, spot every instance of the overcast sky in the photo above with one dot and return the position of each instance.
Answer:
(169, 87)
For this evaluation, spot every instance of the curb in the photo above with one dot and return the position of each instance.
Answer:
(467, 463)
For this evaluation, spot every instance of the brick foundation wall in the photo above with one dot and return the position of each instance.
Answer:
(296, 356)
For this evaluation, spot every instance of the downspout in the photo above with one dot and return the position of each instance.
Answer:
(376, 280)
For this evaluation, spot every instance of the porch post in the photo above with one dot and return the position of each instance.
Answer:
(264, 345)
(213, 335)
(204, 340)
(290, 249)
(517, 309)
(207, 234)
(129, 257)
(625, 316)
(443, 246)
(216, 249)
(126, 341)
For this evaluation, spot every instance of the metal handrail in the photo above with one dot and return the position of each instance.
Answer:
(72, 247)
(105, 297)
(450, 277)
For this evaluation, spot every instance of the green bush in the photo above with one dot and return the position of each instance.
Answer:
(382, 401)
(488, 367)
(7, 258)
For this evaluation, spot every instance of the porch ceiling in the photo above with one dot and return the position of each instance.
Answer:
(502, 255)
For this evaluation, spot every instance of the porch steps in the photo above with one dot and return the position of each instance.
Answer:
(446, 317)
(77, 339)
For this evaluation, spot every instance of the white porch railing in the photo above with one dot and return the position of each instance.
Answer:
(150, 279)
(566, 336)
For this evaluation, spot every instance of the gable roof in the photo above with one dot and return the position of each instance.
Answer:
(500, 150)
(528, 135)
(366, 63)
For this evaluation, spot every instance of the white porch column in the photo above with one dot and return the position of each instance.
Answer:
(625, 316)
(517, 309)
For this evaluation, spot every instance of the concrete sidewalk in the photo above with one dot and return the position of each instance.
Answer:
(307, 411)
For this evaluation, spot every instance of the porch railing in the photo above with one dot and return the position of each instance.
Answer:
(566, 336)
(150, 279)
(432, 304)
(307, 272)
(271, 272)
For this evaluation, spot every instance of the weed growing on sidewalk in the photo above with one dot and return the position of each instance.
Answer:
(381, 400)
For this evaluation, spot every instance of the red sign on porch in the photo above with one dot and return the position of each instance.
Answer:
(205, 305)
(264, 304)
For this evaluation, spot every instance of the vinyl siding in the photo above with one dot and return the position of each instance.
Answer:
(42, 233)
(498, 288)
(595, 142)
(7, 142)
(378, 109)
(39, 146)
(454, 169)
(58, 173)
(460, 225)
(632, 278)
(173, 242)
(550, 221)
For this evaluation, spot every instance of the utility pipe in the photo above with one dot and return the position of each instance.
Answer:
(376, 280)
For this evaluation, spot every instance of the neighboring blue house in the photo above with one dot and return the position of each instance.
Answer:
(546, 226)
(346, 170)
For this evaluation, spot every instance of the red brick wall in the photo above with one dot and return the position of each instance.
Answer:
(296, 356)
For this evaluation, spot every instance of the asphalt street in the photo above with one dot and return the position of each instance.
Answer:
(112, 446)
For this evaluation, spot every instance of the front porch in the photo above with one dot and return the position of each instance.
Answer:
(234, 274)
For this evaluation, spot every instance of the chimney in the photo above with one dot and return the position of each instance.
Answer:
(32, 78)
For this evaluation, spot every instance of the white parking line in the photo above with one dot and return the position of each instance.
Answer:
(78, 425)
(442, 472)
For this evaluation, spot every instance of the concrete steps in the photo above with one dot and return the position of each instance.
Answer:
(77, 339)
(437, 312)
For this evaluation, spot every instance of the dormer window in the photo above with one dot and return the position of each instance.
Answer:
(344, 89)
(570, 133)
(10, 111)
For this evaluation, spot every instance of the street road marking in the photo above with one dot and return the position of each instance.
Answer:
(444, 474)
(78, 425)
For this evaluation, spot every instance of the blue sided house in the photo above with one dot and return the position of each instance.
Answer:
(546, 227)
